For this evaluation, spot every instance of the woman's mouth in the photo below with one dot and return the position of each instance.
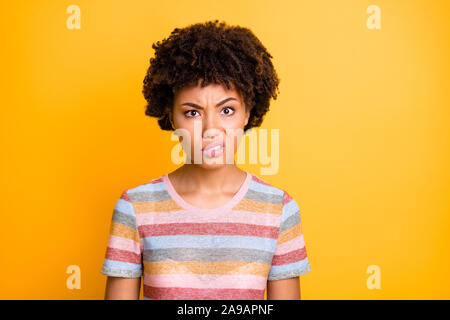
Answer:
(213, 149)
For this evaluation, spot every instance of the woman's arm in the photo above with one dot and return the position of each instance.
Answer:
(286, 289)
(118, 288)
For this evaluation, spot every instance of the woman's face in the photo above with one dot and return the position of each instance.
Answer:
(208, 115)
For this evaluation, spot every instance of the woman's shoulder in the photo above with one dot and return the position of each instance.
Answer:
(261, 185)
(151, 186)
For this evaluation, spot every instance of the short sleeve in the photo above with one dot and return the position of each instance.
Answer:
(289, 259)
(123, 256)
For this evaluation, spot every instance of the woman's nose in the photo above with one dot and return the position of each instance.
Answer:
(211, 125)
(209, 121)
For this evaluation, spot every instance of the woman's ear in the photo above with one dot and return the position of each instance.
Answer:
(247, 116)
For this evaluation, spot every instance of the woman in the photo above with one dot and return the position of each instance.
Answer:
(207, 230)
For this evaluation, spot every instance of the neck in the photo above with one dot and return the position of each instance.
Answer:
(214, 180)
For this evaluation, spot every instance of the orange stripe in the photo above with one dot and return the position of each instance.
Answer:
(157, 206)
(207, 267)
(289, 234)
(257, 206)
(120, 230)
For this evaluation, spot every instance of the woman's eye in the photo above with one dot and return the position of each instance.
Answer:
(190, 111)
(229, 110)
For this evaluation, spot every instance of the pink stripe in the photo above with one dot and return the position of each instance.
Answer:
(259, 180)
(206, 281)
(123, 255)
(125, 196)
(293, 244)
(241, 229)
(290, 257)
(201, 294)
(124, 244)
(183, 216)
(286, 198)
(157, 180)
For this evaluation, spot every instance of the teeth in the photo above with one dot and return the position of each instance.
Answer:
(215, 148)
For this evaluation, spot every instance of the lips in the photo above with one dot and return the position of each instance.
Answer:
(212, 145)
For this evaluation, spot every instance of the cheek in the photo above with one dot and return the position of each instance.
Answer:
(187, 137)
(237, 131)
(179, 121)
(236, 122)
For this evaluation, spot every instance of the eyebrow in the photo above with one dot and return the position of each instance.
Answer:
(201, 108)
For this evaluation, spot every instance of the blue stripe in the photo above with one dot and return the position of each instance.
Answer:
(120, 265)
(209, 241)
(125, 207)
(263, 188)
(274, 270)
(289, 209)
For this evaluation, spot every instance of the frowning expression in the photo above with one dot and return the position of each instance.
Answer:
(215, 112)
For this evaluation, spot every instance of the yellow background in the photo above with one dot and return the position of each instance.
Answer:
(364, 136)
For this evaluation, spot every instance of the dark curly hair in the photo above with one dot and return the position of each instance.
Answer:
(215, 53)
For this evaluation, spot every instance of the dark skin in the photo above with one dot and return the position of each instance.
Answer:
(207, 185)
(211, 186)
(118, 288)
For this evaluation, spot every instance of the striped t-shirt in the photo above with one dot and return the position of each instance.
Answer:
(225, 253)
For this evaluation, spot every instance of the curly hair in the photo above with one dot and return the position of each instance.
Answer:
(215, 53)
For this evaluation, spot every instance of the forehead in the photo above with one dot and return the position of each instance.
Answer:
(211, 92)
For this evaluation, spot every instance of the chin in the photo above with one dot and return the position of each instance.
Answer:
(211, 166)
(213, 163)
